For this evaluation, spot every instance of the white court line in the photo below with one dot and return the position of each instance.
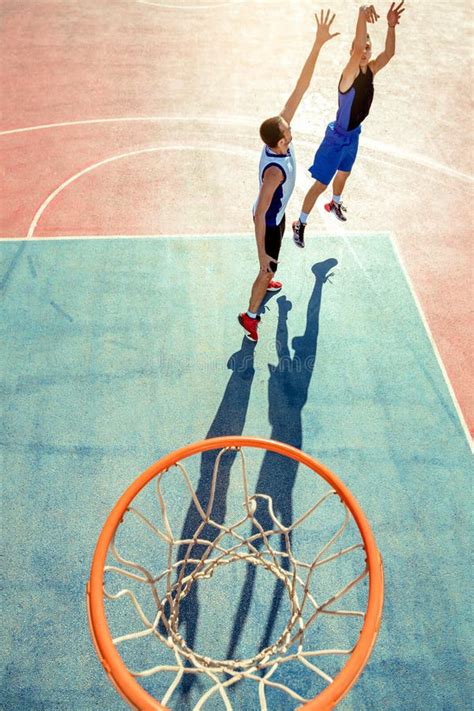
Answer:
(186, 235)
(332, 225)
(336, 227)
(378, 146)
(432, 176)
(344, 234)
(231, 120)
(91, 238)
(339, 229)
(457, 407)
(402, 154)
(234, 150)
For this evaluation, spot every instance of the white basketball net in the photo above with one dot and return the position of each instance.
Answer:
(172, 585)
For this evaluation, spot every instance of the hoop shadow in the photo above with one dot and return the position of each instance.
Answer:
(288, 387)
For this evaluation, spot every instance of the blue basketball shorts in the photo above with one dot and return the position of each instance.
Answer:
(337, 151)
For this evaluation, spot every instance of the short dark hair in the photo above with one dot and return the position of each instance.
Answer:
(271, 131)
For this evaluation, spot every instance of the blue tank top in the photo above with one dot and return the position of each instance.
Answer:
(354, 104)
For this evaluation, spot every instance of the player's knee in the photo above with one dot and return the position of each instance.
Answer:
(318, 187)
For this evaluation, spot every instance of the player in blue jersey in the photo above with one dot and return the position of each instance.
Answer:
(338, 150)
(277, 180)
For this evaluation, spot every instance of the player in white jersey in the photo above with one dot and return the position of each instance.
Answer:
(277, 173)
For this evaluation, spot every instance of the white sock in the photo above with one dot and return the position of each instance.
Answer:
(251, 314)
(337, 198)
(303, 218)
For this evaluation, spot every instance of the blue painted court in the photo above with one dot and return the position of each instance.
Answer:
(118, 351)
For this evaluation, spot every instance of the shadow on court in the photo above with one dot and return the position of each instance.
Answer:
(229, 420)
(287, 394)
(288, 387)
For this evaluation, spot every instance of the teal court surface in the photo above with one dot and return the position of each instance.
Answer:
(117, 351)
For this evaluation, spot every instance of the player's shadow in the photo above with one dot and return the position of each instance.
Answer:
(288, 387)
(229, 420)
(263, 306)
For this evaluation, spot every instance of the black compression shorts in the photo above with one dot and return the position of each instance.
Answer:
(273, 237)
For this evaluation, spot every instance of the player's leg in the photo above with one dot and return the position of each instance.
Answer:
(348, 156)
(259, 289)
(312, 195)
(273, 240)
(336, 206)
(308, 203)
(326, 161)
(250, 320)
(339, 181)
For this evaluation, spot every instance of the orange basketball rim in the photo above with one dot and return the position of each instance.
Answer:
(111, 660)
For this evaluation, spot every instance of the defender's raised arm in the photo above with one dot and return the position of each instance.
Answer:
(323, 34)
(277, 176)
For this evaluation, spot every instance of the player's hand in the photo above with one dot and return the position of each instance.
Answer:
(265, 260)
(323, 33)
(370, 13)
(393, 15)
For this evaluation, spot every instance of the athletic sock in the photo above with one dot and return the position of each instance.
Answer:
(337, 198)
(303, 218)
(250, 314)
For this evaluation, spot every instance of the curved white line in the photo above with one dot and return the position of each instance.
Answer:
(396, 152)
(231, 120)
(369, 143)
(377, 146)
(246, 152)
(432, 176)
(389, 149)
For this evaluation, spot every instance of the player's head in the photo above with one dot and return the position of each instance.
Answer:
(276, 134)
(366, 54)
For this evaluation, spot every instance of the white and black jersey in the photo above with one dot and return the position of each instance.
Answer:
(287, 165)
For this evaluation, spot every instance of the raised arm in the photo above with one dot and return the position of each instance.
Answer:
(367, 14)
(393, 18)
(323, 34)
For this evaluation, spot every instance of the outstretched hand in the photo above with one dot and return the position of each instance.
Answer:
(393, 15)
(370, 13)
(323, 33)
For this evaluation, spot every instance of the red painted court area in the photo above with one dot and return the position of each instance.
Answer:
(141, 118)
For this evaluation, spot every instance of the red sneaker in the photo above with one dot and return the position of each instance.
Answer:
(250, 325)
(274, 286)
(337, 209)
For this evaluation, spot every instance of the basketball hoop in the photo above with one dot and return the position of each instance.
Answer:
(223, 544)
